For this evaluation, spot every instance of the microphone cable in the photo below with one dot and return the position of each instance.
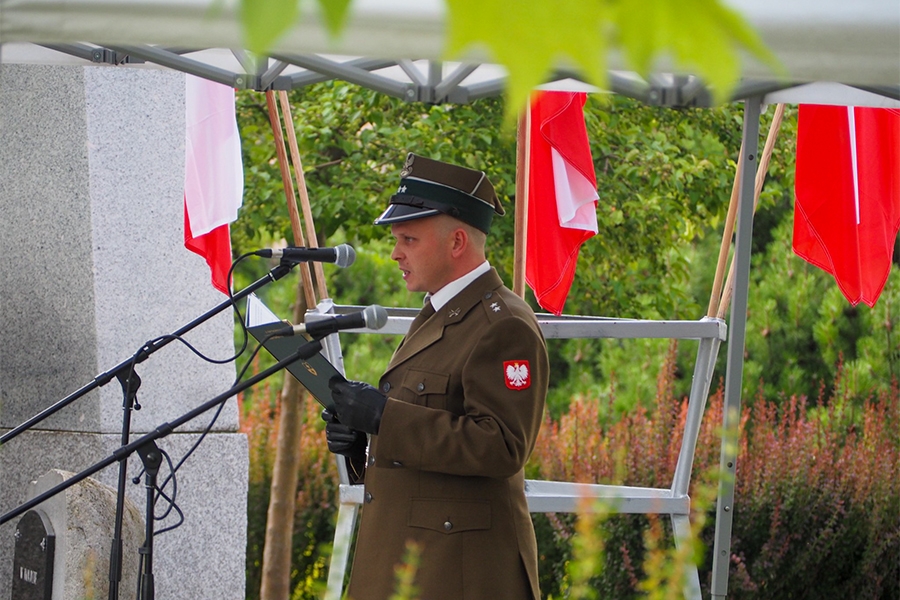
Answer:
(173, 470)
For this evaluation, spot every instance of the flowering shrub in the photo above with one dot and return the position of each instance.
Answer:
(817, 494)
(818, 502)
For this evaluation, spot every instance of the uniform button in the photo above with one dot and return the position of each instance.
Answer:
(386, 387)
(397, 463)
(448, 525)
(421, 387)
(368, 497)
(371, 461)
(488, 295)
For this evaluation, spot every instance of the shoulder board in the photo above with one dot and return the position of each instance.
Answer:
(495, 306)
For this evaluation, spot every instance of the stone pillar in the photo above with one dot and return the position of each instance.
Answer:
(91, 234)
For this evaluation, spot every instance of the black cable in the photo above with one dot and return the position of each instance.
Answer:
(237, 309)
(196, 444)
(160, 489)
(161, 494)
(173, 505)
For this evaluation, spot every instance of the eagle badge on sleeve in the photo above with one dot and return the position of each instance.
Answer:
(517, 374)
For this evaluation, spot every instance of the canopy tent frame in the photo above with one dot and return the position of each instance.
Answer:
(409, 80)
(560, 496)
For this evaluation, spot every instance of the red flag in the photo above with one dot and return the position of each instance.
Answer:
(562, 195)
(847, 212)
(213, 174)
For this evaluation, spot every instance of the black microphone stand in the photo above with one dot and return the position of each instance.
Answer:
(130, 382)
(150, 453)
(152, 458)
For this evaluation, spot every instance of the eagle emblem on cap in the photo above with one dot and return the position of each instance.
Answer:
(517, 374)
(407, 166)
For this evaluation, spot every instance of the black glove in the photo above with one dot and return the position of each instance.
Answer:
(358, 405)
(342, 439)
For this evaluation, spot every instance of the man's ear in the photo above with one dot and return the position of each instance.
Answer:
(460, 242)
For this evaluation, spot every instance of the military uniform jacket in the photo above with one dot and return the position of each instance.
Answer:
(466, 394)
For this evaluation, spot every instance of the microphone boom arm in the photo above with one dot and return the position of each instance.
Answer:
(122, 368)
(303, 352)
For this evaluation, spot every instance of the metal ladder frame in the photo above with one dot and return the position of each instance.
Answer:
(559, 496)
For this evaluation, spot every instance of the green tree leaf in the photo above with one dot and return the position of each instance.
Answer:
(335, 13)
(530, 38)
(265, 21)
(700, 36)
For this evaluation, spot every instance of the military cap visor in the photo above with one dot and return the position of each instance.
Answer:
(416, 199)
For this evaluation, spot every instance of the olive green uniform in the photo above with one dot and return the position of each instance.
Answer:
(466, 393)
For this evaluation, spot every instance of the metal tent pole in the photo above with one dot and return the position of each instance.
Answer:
(735, 362)
(704, 367)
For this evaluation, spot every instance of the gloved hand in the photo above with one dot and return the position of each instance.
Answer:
(342, 439)
(358, 405)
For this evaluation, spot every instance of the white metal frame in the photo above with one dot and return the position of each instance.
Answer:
(867, 31)
(560, 496)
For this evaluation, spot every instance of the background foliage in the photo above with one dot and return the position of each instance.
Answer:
(817, 497)
(664, 178)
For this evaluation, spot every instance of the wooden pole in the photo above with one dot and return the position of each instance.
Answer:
(294, 214)
(761, 171)
(301, 189)
(725, 247)
(523, 156)
(276, 565)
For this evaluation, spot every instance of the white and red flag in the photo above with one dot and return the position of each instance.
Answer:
(562, 195)
(847, 211)
(213, 174)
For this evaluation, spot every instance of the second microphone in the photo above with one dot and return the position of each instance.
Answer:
(372, 317)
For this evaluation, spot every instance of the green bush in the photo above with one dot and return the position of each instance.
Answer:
(817, 493)
(818, 507)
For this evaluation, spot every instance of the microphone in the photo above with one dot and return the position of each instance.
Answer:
(342, 255)
(373, 317)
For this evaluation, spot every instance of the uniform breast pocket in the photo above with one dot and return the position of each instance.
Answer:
(427, 388)
(450, 516)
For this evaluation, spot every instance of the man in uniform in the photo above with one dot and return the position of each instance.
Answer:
(456, 413)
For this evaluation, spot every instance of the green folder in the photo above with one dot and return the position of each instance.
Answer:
(313, 372)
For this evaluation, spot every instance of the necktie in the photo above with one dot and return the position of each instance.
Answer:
(423, 316)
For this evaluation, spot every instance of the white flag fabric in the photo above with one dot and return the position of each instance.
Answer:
(213, 173)
(576, 195)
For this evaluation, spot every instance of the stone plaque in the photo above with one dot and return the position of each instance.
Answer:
(33, 560)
